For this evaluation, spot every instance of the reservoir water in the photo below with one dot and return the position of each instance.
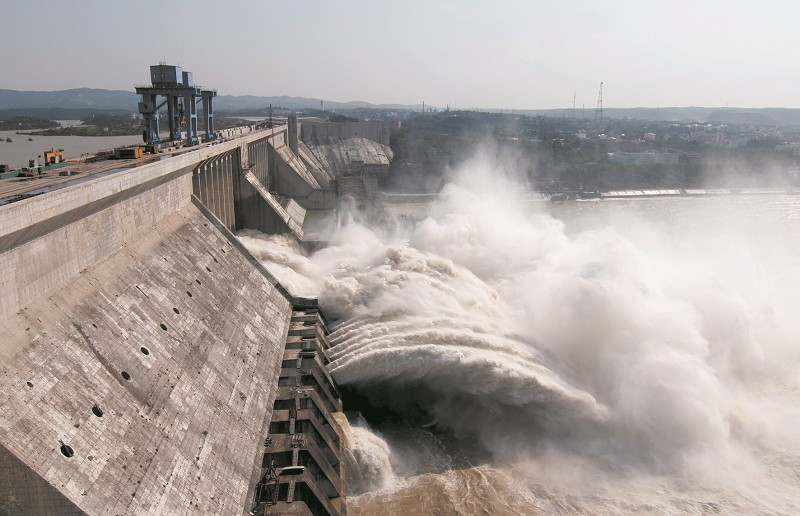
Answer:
(17, 152)
(634, 356)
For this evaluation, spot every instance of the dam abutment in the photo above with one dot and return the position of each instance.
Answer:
(143, 342)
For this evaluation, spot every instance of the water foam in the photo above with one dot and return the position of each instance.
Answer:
(622, 351)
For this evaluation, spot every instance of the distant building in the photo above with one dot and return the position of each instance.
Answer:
(738, 142)
(644, 158)
(649, 137)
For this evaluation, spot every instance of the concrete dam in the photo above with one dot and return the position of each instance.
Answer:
(148, 363)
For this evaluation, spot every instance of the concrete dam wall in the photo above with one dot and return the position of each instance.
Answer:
(142, 344)
(174, 340)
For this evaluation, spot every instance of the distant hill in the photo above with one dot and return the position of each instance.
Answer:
(16, 103)
(233, 103)
(79, 98)
(58, 113)
(73, 103)
(688, 114)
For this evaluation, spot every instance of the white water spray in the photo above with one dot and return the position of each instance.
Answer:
(656, 364)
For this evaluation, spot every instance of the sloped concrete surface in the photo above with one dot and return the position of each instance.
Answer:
(292, 219)
(175, 341)
(352, 155)
(323, 176)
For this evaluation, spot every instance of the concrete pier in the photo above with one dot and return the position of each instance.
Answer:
(303, 453)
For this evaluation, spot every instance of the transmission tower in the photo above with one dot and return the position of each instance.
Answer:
(598, 113)
(573, 105)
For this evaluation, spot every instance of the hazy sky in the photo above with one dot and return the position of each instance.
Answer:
(505, 54)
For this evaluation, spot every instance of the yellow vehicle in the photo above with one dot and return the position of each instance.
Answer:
(53, 156)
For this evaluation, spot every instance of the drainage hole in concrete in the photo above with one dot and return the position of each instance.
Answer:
(29, 384)
(206, 225)
(97, 411)
(188, 293)
(198, 282)
(176, 310)
(67, 450)
(125, 375)
(94, 325)
(215, 260)
(144, 350)
(163, 326)
(208, 269)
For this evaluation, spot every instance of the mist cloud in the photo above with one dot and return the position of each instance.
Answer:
(629, 346)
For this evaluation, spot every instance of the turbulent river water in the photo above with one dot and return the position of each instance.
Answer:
(606, 357)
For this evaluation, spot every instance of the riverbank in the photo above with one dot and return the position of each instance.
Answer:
(17, 153)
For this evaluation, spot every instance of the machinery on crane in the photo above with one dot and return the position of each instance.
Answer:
(181, 97)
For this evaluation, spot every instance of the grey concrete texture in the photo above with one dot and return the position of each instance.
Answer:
(44, 256)
(265, 212)
(325, 133)
(23, 492)
(352, 156)
(296, 212)
(294, 176)
(262, 160)
(22, 214)
(45, 240)
(293, 179)
(212, 183)
(198, 332)
(323, 176)
(141, 342)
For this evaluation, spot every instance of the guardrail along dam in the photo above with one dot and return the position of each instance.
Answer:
(150, 364)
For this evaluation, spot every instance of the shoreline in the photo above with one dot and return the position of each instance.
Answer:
(399, 198)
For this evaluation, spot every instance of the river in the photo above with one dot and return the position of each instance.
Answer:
(633, 356)
(17, 152)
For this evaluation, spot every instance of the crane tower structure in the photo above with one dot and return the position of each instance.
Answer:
(181, 97)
